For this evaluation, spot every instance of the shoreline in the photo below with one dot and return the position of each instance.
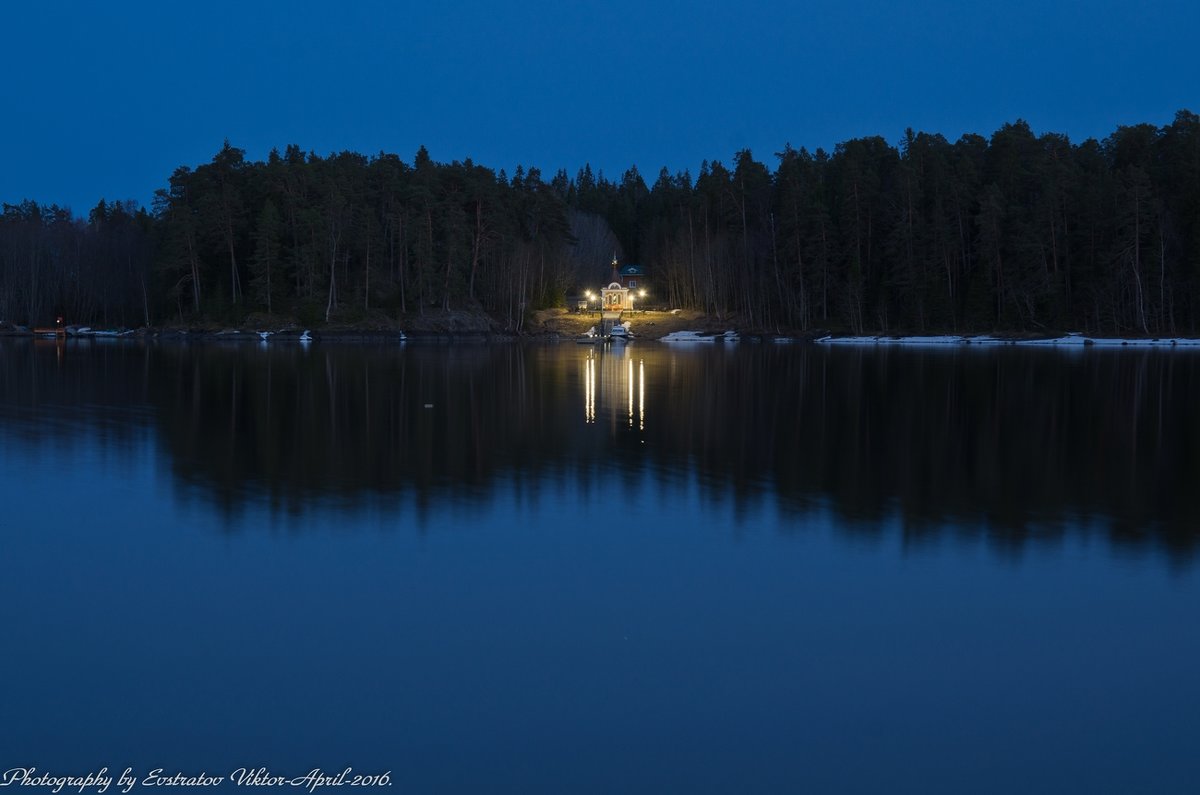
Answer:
(353, 336)
(1069, 340)
(557, 325)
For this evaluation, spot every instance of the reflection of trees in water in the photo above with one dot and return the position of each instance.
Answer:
(1026, 445)
(53, 394)
(1022, 443)
(300, 424)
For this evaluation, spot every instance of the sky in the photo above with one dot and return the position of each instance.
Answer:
(107, 99)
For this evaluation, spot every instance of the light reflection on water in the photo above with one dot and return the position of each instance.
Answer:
(1001, 441)
(611, 373)
(746, 569)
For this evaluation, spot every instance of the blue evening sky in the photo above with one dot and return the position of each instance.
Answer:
(107, 99)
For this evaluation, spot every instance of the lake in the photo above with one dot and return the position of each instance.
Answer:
(566, 569)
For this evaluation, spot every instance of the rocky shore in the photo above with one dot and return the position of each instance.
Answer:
(555, 324)
(454, 326)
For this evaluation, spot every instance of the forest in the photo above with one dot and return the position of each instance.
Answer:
(1019, 232)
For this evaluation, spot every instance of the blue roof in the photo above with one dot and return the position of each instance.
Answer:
(631, 270)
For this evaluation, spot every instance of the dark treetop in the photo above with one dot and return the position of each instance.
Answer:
(1020, 232)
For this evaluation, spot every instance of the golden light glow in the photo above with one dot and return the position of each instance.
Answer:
(631, 393)
(603, 373)
(641, 395)
(589, 389)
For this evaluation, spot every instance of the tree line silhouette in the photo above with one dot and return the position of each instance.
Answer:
(1019, 231)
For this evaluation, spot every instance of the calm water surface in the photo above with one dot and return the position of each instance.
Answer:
(549, 569)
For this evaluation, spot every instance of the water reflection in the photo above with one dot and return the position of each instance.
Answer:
(589, 389)
(613, 370)
(1021, 445)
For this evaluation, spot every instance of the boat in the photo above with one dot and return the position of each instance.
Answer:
(696, 336)
(57, 330)
(591, 338)
(620, 333)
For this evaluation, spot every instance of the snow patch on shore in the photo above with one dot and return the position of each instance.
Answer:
(1070, 340)
(946, 339)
